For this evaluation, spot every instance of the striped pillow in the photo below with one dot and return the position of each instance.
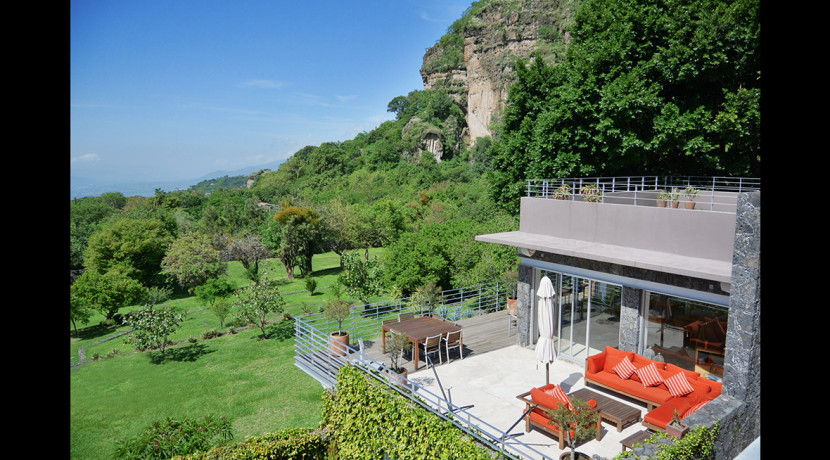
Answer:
(624, 369)
(679, 385)
(649, 376)
(558, 393)
(694, 408)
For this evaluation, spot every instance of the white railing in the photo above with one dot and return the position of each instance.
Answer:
(314, 356)
(707, 193)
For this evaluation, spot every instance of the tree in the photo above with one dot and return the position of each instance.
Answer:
(663, 88)
(192, 260)
(248, 250)
(221, 307)
(362, 278)
(152, 327)
(294, 235)
(430, 295)
(79, 311)
(213, 289)
(108, 292)
(136, 244)
(256, 301)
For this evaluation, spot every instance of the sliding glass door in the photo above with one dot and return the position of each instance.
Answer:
(586, 312)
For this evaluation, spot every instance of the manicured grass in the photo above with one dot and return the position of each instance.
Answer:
(252, 381)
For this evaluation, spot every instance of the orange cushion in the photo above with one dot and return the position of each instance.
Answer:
(613, 357)
(559, 394)
(649, 375)
(624, 368)
(544, 399)
(679, 385)
(694, 408)
(640, 361)
(673, 369)
(595, 363)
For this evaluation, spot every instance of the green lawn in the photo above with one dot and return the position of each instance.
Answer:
(253, 382)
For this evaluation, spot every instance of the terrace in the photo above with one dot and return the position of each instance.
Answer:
(616, 238)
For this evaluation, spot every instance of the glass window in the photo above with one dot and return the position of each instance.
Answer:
(687, 333)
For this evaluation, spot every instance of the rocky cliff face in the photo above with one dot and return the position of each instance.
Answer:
(474, 61)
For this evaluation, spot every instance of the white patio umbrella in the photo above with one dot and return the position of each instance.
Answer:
(545, 352)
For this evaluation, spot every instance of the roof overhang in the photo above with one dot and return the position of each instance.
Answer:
(714, 270)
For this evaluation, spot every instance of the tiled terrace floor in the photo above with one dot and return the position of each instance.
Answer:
(490, 382)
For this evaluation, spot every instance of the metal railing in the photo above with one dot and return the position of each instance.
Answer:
(315, 357)
(707, 193)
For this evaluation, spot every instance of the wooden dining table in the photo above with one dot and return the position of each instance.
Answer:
(418, 330)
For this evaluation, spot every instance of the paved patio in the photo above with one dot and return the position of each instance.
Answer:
(491, 381)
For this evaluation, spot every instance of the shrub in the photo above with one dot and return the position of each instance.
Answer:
(311, 285)
(291, 443)
(176, 437)
(209, 334)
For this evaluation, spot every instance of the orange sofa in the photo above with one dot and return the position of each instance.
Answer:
(660, 400)
(538, 418)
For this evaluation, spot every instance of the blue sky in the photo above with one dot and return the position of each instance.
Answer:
(176, 89)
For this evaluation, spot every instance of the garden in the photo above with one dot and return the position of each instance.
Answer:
(207, 370)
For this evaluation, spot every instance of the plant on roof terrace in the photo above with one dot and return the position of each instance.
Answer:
(582, 422)
(563, 192)
(591, 193)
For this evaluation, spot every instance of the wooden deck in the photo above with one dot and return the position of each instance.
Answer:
(481, 334)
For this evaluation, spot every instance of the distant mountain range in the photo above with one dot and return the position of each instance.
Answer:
(80, 187)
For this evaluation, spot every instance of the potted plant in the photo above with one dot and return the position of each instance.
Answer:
(395, 346)
(662, 198)
(563, 192)
(690, 193)
(338, 309)
(675, 197)
(581, 423)
(510, 278)
(430, 295)
(675, 427)
(591, 193)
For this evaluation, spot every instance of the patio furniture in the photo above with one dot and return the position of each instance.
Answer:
(668, 387)
(614, 411)
(433, 345)
(636, 438)
(452, 340)
(406, 316)
(417, 330)
(543, 399)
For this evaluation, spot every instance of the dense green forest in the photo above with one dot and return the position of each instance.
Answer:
(667, 87)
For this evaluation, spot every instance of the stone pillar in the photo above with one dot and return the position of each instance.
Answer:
(742, 359)
(524, 296)
(630, 318)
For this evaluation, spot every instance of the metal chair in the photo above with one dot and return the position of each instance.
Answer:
(405, 316)
(432, 345)
(511, 320)
(453, 340)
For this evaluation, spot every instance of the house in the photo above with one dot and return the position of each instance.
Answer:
(635, 272)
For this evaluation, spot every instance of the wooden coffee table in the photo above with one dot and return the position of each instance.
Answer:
(636, 438)
(612, 410)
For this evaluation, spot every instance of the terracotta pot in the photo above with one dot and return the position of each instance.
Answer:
(338, 343)
(661, 203)
(678, 433)
(401, 375)
(689, 204)
(513, 306)
(675, 204)
(579, 456)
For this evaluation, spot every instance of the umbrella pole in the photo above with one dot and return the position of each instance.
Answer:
(547, 373)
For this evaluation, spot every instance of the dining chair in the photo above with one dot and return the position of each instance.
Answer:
(432, 345)
(452, 340)
(404, 316)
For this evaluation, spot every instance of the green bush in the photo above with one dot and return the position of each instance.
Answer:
(291, 443)
(210, 333)
(173, 437)
(368, 420)
(699, 443)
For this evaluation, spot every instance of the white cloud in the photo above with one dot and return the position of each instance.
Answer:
(346, 98)
(89, 157)
(270, 84)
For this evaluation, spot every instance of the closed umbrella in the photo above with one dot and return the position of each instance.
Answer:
(545, 352)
